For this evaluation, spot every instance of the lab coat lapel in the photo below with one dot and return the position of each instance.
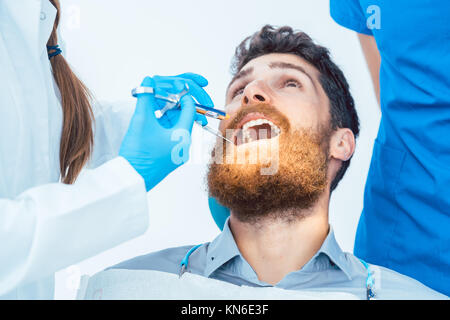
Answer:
(33, 18)
(25, 120)
(23, 17)
(47, 16)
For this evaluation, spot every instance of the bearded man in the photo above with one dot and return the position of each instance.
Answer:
(292, 130)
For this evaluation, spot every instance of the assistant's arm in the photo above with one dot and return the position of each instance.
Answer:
(373, 60)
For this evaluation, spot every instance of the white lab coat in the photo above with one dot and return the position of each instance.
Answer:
(45, 225)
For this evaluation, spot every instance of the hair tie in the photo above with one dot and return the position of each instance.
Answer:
(56, 52)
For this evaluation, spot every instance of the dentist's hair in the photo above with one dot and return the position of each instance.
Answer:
(77, 136)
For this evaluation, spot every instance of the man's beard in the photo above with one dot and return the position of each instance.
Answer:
(300, 179)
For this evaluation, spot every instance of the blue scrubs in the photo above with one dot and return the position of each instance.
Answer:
(405, 223)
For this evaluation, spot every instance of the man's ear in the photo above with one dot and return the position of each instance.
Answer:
(342, 144)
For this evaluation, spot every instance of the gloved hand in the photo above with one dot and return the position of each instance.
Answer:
(156, 147)
(164, 86)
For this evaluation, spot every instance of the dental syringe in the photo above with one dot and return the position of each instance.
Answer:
(174, 102)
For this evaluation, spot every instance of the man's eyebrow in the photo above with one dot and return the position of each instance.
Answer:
(285, 65)
(240, 74)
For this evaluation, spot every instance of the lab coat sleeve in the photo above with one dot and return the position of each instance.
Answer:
(53, 226)
(111, 124)
(350, 14)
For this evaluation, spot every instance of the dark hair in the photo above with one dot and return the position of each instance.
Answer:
(285, 40)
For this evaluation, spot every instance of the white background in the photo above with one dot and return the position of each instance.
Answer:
(113, 44)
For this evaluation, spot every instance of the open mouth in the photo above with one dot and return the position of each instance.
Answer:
(255, 126)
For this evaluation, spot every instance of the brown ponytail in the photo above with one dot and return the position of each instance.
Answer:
(77, 132)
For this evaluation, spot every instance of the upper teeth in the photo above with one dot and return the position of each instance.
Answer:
(258, 122)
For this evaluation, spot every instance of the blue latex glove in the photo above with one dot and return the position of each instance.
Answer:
(166, 85)
(156, 147)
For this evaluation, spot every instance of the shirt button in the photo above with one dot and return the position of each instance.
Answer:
(43, 15)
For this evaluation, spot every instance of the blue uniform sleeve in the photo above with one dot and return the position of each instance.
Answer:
(349, 14)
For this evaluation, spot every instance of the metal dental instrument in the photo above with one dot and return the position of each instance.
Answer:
(174, 102)
(214, 132)
(173, 99)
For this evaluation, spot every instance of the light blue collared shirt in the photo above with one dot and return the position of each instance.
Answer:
(329, 270)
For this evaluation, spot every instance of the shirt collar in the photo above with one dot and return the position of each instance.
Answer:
(334, 256)
(221, 250)
(224, 248)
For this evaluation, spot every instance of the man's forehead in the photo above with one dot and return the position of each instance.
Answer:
(267, 59)
(272, 60)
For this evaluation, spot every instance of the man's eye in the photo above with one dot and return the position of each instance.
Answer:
(292, 83)
(237, 92)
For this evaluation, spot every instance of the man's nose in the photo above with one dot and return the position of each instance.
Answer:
(255, 93)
